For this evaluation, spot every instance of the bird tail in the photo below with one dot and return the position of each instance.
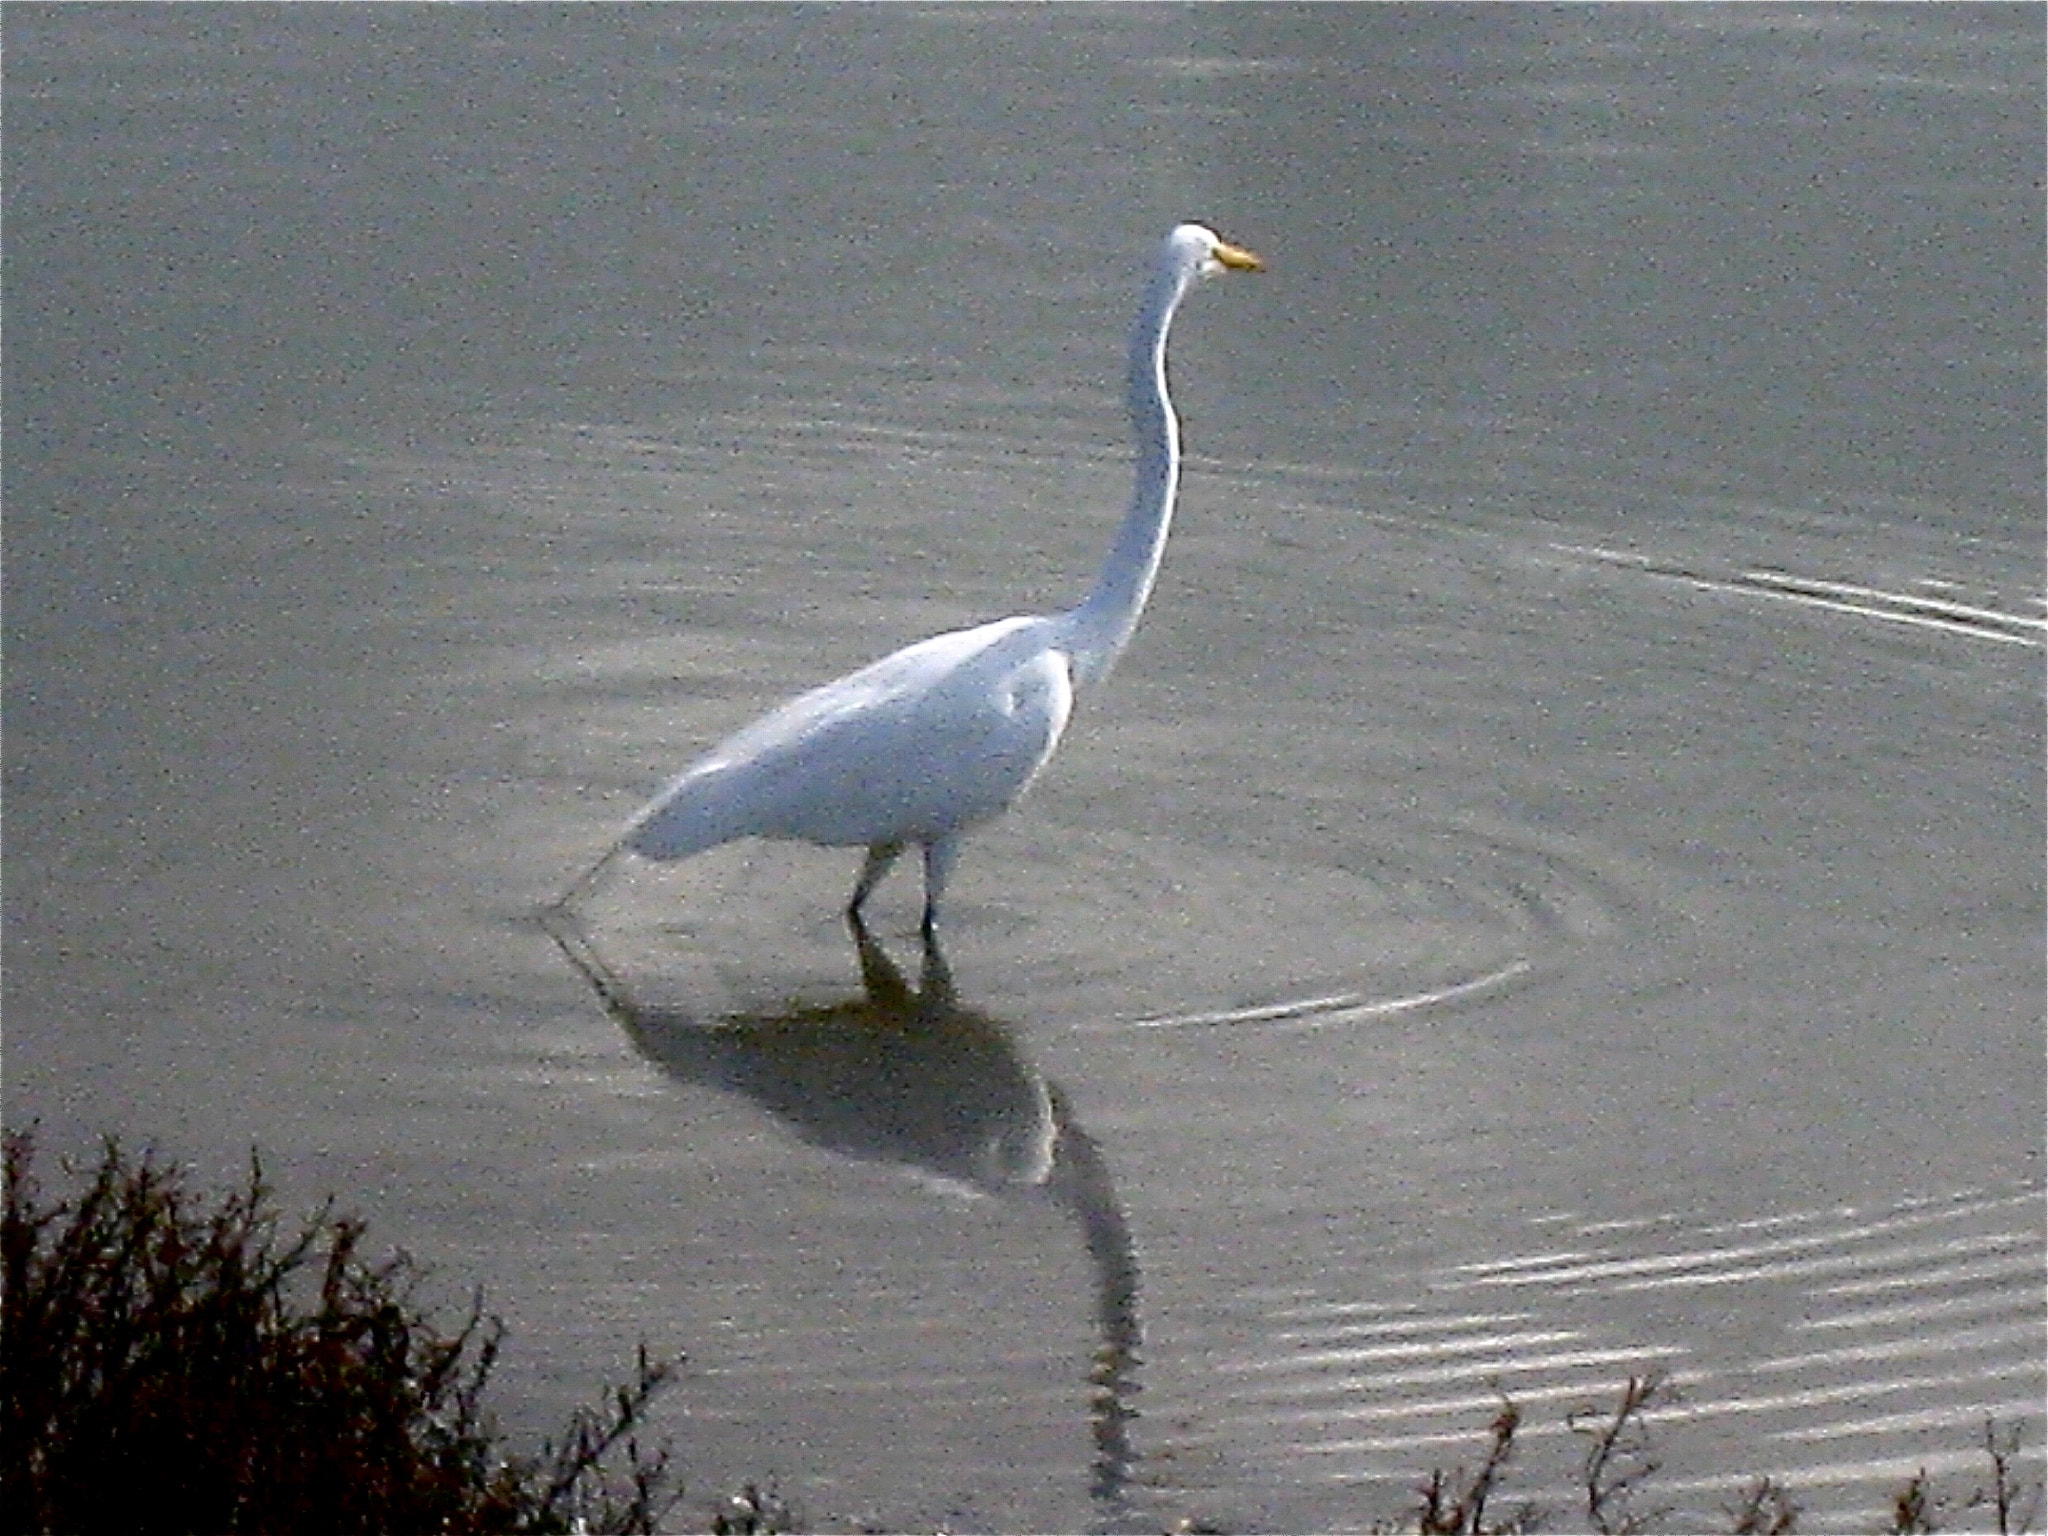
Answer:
(695, 813)
(650, 840)
(689, 817)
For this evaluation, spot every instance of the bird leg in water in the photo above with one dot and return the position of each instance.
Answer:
(879, 858)
(935, 980)
(883, 982)
(938, 865)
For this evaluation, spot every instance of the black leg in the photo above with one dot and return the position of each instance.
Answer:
(876, 865)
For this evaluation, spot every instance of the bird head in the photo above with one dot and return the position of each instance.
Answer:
(1201, 252)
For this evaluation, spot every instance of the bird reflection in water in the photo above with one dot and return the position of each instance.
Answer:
(910, 1077)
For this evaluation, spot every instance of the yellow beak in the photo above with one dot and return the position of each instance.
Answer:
(1237, 258)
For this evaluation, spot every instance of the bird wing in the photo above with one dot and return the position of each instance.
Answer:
(925, 741)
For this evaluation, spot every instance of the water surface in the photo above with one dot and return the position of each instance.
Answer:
(1554, 891)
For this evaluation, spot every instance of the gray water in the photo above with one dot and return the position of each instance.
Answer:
(1506, 926)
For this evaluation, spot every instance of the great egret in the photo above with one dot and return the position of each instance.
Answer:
(927, 743)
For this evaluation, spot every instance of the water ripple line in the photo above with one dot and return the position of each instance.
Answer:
(1341, 1007)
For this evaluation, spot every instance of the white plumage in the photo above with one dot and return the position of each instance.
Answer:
(925, 744)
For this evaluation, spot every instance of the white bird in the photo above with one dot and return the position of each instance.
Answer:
(927, 743)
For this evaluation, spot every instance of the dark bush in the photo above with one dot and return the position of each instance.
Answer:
(170, 1367)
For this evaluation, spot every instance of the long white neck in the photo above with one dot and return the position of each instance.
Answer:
(1101, 627)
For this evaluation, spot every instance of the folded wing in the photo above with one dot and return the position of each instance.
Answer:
(911, 748)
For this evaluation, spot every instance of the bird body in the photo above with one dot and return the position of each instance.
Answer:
(926, 743)
(910, 749)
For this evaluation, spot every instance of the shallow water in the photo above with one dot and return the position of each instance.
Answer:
(1554, 891)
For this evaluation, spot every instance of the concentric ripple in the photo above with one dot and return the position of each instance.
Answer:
(1109, 929)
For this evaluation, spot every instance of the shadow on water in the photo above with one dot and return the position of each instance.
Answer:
(909, 1076)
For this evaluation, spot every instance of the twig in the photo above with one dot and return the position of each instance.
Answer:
(1618, 1458)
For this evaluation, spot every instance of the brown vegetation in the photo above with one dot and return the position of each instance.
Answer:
(168, 1367)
